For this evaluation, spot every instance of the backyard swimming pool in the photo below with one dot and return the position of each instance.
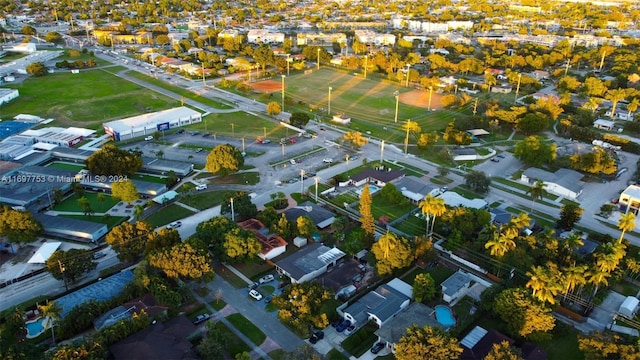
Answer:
(35, 327)
(444, 315)
(372, 190)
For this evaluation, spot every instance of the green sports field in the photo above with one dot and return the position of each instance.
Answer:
(86, 99)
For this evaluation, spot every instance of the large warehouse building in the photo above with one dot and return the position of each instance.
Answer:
(148, 124)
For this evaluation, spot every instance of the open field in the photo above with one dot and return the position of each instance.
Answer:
(66, 166)
(71, 203)
(76, 100)
(168, 214)
(244, 125)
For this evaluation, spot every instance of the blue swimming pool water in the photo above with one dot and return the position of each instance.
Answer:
(34, 328)
(444, 315)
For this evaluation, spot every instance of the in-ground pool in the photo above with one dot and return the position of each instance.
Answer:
(35, 327)
(372, 189)
(444, 315)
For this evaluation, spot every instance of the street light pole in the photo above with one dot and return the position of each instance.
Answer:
(396, 94)
(283, 76)
(381, 151)
(406, 139)
(233, 214)
(329, 102)
(316, 178)
(366, 65)
(517, 88)
(282, 150)
(243, 144)
(301, 181)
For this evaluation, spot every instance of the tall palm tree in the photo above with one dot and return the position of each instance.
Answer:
(592, 104)
(500, 244)
(597, 278)
(51, 311)
(537, 191)
(432, 207)
(544, 282)
(632, 107)
(626, 223)
(387, 242)
(615, 96)
(574, 276)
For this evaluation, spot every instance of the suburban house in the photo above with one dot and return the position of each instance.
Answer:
(320, 216)
(455, 287)
(416, 189)
(477, 344)
(630, 199)
(563, 182)
(158, 341)
(453, 199)
(309, 262)
(146, 303)
(381, 304)
(603, 124)
(416, 314)
(379, 177)
(272, 245)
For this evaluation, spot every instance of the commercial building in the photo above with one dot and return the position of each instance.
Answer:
(148, 124)
(72, 229)
(7, 95)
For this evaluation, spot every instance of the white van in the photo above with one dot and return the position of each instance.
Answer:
(201, 187)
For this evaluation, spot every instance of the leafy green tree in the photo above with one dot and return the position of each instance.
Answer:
(268, 216)
(274, 108)
(595, 162)
(18, 226)
(299, 119)
(301, 305)
(283, 228)
(263, 56)
(305, 226)
(427, 140)
(534, 151)
(29, 30)
(392, 252)
(503, 351)
(427, 343)
(533, 123)
(124, 190)
(523, 315)
(183, 261)
(37, 69)
(391, 193)
(569, 215)
(356, 139)
(129, 240)
(242, 205)
(478, 181)
(424, 288)
(54, 37)
(70, 265)
(224, 159)
(366, 216)
(111, 160)
(162, 239)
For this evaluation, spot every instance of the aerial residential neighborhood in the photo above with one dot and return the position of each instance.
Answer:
(320, 180)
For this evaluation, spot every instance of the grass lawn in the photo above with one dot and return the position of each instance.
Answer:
(204, 199)
(279, 354)
(71, 203)
(247, 328)
(229, 276)
(75, 100)
(382, 207)
(361, 341)
(245, 125)
(110, 221)
(65, 166)
(254, 270)
(168, 214)
(412, 226)
(218, 304)
(334, 354)
(438, 273)
(233, 344)
(149, 178)
(245, 178)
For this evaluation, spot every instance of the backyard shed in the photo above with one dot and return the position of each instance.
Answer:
(629, 307)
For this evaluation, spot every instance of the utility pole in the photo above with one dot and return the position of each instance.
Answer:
(282, 150)
(316, 178)
(407, 81)
(406, 139)
(288, 61)
(566, 69)
(302, 181)
(475, 107)
(517, 88)
(329, 101)
(381, 152)
(430, 94)
(243, 144)
(204, 83)
(366, 65)
(64, 276)
(283, 76)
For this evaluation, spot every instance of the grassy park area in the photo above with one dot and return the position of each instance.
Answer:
(66, 166)
(247, 328)
(168, 214)
(110, 221)
(82, 103)
(99, 204)
(240, 124)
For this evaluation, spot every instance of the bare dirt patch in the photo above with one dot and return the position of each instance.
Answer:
(420, 98)
(267, 86)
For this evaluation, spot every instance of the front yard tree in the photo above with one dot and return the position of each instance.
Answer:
(305, 226)
(37, 69)
(535, 151)
(503, 351)
(238, 245)
(356, 139)
(70, 265)
(599, 345)
(162, 239)
(129, 240)
(224, 159)
(424, 288)
(300, 305)
(394, 196)
(183, 261)
(243, 208)
(392, 252)
(478, 181)
(523, 315)
(431, 207)
(124, 190)
(427, 343)
(212, 346)
(569, 215)
(283, 228)
(111, 160)
(366, 217)
(18, 226)
(274, 108)
(299, 119)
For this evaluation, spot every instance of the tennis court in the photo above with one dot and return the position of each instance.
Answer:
(10, 127)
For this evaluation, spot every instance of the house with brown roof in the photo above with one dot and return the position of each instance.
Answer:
(272, 244)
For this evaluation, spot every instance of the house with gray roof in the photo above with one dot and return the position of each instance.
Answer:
(381, 304)
(320, 216)
(72, 229)
(455, 287)
(416, 189)
(308, 263)
(563, 182)
(416, 314)
(379, 177)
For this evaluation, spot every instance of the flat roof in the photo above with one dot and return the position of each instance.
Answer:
(60, 223)
(151, 118)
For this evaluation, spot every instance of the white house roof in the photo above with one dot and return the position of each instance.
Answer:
(454, 199)
(44, 252)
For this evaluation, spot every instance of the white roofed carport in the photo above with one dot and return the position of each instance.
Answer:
(44, 253)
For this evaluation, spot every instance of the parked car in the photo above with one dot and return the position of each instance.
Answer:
(495, 159)
(348, 331)
(201, 318)
(174, 225)
(316, 336)
(327, 160)
(148, 138)
(201, 187)
(256, 295)
(501, 156)
(199, 150)
(253, 286)
(266, 279)
(292, 161)
(181, 131)
(377, 347)
(98, 255)
(268, 299)
(343, 326)
(615, 200)
(336, 322)
(206, 135)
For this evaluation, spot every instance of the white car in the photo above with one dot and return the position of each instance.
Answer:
(266, 279)
(201, 187)
(148, 138)
(256, 295)
(327, 160)
(174, 225)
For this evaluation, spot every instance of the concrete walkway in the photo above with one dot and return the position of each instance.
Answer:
(187, 206)
(238, 273)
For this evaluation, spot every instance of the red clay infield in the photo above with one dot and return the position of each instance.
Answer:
(267, 86)
(420, 98)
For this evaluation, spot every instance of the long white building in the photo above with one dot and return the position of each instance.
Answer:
(147, 124)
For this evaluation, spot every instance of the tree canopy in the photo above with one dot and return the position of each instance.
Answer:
(124, 190)
(183, 261)
(300, 305)
(111, 160)
(534, 151)
(129, 240)
(427, 343)
(224, 159)
(70, 265)
(243, 207)
(478, 181)
(227, 240)
(523, 314)
(18, 226)
(392, 252)
(299, 119)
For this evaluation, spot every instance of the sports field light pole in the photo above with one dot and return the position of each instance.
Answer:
(396, 94)
(301, 181)
(430, 94)
(517, 88)
(406, 139)
(329, 102)
(318, 56)
(407, 81)
(283, 76)
(316, 179)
